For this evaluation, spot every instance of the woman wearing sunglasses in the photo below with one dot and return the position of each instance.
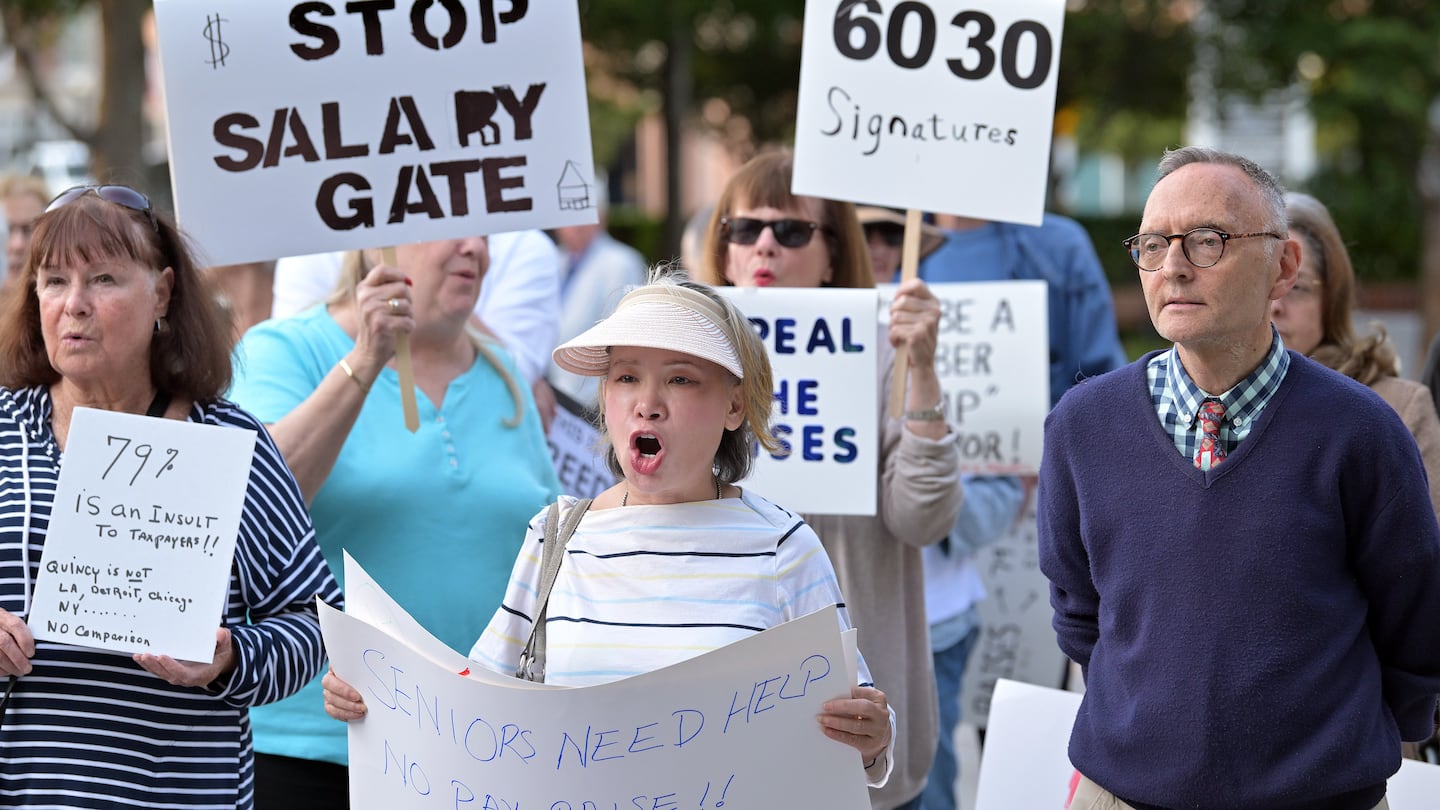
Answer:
(761, 235)
(112, 313)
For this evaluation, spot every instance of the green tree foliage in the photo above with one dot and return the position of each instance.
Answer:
(1124, 67)
(689, 54)
(1372, 68)
(117, 134)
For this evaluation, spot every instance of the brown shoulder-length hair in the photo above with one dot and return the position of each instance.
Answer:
(1363, 359)
(190, 359)
(765, 182)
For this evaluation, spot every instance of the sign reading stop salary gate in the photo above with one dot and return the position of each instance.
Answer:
(300, 127)
(941, 105)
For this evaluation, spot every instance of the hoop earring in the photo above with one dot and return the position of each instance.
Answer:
(162, 326)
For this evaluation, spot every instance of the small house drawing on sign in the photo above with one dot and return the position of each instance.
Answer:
(573, 191)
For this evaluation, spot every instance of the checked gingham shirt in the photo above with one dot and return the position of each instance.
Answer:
(1177, 398)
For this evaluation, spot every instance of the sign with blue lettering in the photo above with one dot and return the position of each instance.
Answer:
(735, 727)
(823, 348)
(938, 105)
(331, 125)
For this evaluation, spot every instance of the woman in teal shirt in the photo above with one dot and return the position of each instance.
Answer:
(437, 516)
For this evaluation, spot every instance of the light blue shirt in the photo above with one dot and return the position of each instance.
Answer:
(436, 516)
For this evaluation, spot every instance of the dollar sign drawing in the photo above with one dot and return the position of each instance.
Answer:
(218, 49)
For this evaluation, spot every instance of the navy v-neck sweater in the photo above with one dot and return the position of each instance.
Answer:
(1260, 635)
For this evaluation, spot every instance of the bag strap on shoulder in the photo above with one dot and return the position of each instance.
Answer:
(552, 553)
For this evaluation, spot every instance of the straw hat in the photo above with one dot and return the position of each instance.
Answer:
(931, 237)
(656, 316)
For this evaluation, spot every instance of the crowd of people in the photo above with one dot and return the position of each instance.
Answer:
(1240, 566)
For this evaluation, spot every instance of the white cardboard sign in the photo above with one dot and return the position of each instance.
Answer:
(939, 105)
(993, 360)
(138, 552)
(823, 352)
(303, 127)
(575, 451)
(1026, 763)
(735, 727)
(1017, 640)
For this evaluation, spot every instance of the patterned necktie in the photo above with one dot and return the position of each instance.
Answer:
(1211, 452)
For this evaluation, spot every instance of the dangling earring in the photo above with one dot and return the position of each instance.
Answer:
(162, 326)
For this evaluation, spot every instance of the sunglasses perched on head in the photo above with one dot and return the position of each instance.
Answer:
(790, 233)
(119, 195)
(891, 234)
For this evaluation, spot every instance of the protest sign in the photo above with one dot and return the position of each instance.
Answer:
(1017, 641)
(937, 105)
(576, 450)
(1026, 763)
(303, 127)
(993, 360)
(732, 727)
(367, 601)
(140, 542)
(822, 348)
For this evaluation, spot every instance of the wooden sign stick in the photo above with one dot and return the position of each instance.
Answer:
(909, 267)
(403, 365)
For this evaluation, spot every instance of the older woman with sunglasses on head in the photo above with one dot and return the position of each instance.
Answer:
(1316, 319)
(761, 235)
(112, 313)
(437, 514)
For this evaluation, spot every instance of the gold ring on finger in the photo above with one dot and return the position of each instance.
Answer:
(395, 306)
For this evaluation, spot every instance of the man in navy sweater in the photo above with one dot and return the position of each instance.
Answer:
(1245, 563)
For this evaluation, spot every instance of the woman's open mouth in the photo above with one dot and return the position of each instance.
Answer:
(646, 452)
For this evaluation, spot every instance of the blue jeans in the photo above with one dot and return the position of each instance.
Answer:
(939, 793)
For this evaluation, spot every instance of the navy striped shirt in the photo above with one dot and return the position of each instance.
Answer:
(89, 728)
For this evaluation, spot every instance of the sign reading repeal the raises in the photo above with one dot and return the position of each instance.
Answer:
(823, 351)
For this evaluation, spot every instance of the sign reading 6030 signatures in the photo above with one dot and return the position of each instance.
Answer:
(142, 532)
(940, 105)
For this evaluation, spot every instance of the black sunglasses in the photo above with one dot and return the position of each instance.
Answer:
(891, 234)
(120, 195)
(790, 233)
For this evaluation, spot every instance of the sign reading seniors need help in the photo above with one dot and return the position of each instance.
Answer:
(938, 105)
(302, 127)
(823, 351)
(735, 727)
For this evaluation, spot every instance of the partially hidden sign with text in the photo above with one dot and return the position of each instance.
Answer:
(937, 105)
(823, 350)
(329, 125)
(1026, 765)
(993, 360)
(577, 450)
(732, 728)
(140, 543)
